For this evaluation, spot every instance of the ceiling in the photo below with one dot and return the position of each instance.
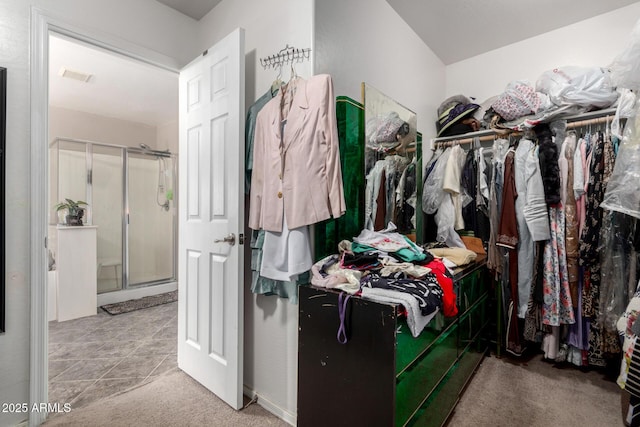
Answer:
(455, 30)
(459, 29)
(119, 87)
(196, 9)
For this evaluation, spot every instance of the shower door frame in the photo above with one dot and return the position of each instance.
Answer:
(126, 224)
(125, 150)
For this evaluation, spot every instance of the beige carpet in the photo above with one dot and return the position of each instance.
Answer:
(174, 399)
(506, 392)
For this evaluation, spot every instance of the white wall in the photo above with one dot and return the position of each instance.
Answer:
(91, 127)
(592, 42)
(167, 136)
(271, 323)
(367, 41)
(146, 23)
(269, 25)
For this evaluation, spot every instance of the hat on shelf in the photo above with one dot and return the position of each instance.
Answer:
(451, 113)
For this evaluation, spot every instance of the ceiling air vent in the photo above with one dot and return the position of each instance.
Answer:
(75, 75)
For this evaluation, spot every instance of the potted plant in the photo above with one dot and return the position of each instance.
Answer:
(74, 209)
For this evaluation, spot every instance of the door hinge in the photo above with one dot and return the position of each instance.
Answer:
(45, 243)
(241, 239)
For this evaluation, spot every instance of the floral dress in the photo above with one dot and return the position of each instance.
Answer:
(557, 307)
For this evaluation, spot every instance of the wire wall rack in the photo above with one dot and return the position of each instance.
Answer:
(288, 55)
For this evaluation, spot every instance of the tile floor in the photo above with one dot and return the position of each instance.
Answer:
(95, 357)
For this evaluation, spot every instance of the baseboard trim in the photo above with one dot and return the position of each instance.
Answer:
(128, 294)
(276, 410)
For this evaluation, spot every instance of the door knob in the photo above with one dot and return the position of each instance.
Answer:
(230, 239)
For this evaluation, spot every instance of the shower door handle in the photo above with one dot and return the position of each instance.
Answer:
(230, 239)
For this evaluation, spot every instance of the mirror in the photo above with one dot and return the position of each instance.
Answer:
(3, 131)
(391, 163)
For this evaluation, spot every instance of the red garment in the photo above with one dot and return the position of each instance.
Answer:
(449, 307)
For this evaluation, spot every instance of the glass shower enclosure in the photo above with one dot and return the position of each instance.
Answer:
(130, 193)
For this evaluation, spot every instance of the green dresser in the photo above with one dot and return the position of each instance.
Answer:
(383, 376)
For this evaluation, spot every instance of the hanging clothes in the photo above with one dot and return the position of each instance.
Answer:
(558, 307)
(469, 184)
(406, 198)
(590, 236)
(618, 263)
(296, 170)
(603, 342)
(531, 216)
(474, 189)
(250, 131)
(508, 228)
(548, 154)
(286, 254)
(296, 178)
(260, 284)
(452, 183)
(586, 154)
(508, 238)
(374, 180)
(600, 342)
(436, 199)
(533, 327)
(265, 286)
(381, 191)
(432, 192)
(495, 258)
(380, 212)
(572, 244)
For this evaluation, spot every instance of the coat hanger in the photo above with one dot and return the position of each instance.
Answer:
(476, 143)
(277, 83)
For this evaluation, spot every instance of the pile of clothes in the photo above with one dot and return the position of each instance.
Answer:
(386, 266)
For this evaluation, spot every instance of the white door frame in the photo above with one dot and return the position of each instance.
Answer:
(42, 23)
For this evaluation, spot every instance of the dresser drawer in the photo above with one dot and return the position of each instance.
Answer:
(472, 322)
(416, 383)
(470, 289)
(409, 349)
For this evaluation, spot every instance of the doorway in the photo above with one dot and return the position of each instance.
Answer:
(130, 195)
(113, 141)
(227, 129)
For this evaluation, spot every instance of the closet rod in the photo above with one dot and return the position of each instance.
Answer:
(599, 120)
(490, 137)
(490, 134)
